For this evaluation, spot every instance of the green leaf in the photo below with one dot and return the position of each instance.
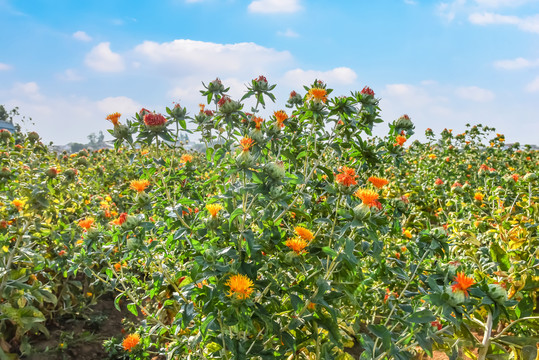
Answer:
(422, 317)
(209, 153)
(133, 308)
(289, 341)
(235, 214)
(329, 251)
(383, 333)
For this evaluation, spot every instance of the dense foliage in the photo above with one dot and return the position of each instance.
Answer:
(298, 236)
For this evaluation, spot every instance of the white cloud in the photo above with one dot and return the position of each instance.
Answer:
(274, 6)
(438, 106)
(503, 3)
(449, 10)
(518, 63)
(29, 90)
(70, 75)
(288, 33)
(64, 119)
(185, 57)
(474, 93)
(529, 24)
(533, 86)
(122, 104)
(82, 36)
(4, 67)
(102, 59)
(336, 76)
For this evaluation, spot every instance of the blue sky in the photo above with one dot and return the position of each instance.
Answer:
(67, 64)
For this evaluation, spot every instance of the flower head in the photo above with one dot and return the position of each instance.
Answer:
(225, 99)
(86, 223)
(432, 156)
(214, 209)
(139, 185)
(240, 285)
(462, 283)
(303, 233)
(246, 143)
(186, 158)
(407, 233)
(18, 203)
(368, 197)
(347, 177)
(280, 116)
(114, 118)
(121, 219)
(297, 244)
(378, 181)
(367, 91)
(478, 196)
(317, 94)
(130, 341)
(400, 140)
(258, 121)
(154, 120)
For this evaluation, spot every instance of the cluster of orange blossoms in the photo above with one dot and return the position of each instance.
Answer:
(139, 185)
(114, 118)
(186, 158)
(317, 94)
(86, 223)
(478, 196)
(246, 143)
(258, 122)
(120, 220)
(378, 181)
(301, 241)
(214, 209)
(462, 283)
(400, 140)
(130, 342)
(368, 197)
(347, 176)
(280, 116)
(241, 287)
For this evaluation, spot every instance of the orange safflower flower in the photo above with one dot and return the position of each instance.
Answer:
(280, 116)
(462, 283)
(368, 197)
(258, 121)
(378, 181)
(86, 223)
(400, 140)
(214, 209)
(241, 287)
(114, 118)
(303, 233)
(478, 196)
(130, 341)
(246, 143)
(347, 177)
(432, 156)
(139, 185)
(186, 158)
(297, 244)
(18, 204)
(317, 94)
(407, 234)
(120, 220)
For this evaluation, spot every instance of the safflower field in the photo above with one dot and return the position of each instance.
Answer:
(295, 236)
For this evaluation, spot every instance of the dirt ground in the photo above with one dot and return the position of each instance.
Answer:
(81, 338)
